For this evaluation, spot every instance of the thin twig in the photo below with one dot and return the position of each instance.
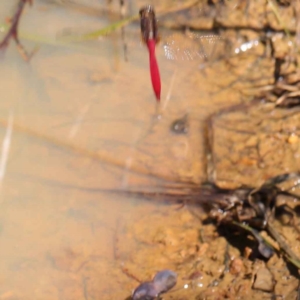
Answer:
(13, 31)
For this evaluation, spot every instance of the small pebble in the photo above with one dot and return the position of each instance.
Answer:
(293, 138)
(236, 266)
(145, 291)
(161, 283)
(263, 280)
(247, 252)
(164, 281)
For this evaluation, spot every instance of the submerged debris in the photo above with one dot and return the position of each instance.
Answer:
(250, 208)
(181, 125)
(285, 93)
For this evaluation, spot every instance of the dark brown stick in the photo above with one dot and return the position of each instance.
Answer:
(13, 30)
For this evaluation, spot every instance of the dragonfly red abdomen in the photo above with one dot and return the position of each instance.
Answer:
(193, 45)
(150, 38)
(154, 70)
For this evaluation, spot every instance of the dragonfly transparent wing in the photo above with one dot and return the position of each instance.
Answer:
(191, 46)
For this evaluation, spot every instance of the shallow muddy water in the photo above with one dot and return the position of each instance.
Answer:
(78, 120)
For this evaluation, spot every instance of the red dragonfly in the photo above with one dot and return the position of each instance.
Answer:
(150, 38)
(173, 51)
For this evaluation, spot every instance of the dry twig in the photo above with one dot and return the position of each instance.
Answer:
(13, 31)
